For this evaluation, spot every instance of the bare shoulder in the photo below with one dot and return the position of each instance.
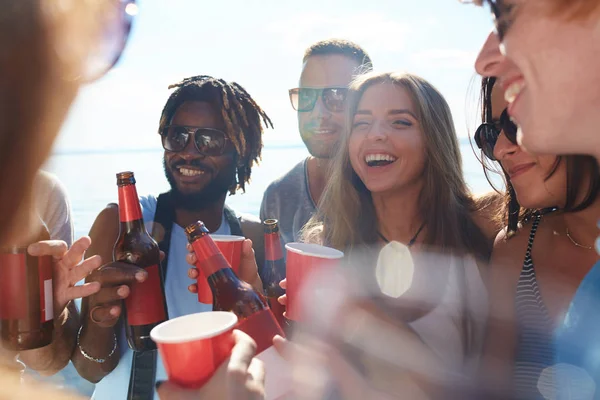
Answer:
(510, 251)
(107, 217)
(487, 207)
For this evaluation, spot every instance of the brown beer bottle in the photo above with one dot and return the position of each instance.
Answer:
(230, 293)
(145, 307)
(26, 297)
(273, 271)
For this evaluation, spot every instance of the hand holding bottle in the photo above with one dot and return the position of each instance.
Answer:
(248, 271)
(69, 268)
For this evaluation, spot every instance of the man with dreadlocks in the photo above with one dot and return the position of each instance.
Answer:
(211, 131)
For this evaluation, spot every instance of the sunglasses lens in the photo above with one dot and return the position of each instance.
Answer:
(114, 25)
(335, 99)
(486, 137)
(210, 142)
(175, 138)
(307, 98)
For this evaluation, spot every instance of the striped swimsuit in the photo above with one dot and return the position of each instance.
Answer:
(534, 326)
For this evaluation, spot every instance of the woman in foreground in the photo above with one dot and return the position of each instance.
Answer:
(42, 67)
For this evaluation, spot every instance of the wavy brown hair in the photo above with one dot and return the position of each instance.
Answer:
(346, 217)
(583, 177)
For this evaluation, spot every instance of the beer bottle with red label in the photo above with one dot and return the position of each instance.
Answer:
(145, 307)
(230, 293)
(26, 298)
(273, 271)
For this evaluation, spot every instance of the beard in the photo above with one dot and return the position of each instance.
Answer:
(204, 197)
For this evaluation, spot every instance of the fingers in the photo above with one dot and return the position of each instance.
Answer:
(281, 346)
(54, 248)
(193, 273)
(283, 284)
(111, 294)
(118, 273)
(247, 249)
(253, 385)
(282, 300)
(86, 267)
(161, 255)
(191, 258)
(85, 290)
(248, 270)
(76, 252)
(193, 288)
(106, 316)
(241, 356)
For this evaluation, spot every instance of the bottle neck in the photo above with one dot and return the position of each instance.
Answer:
(273, 251)
(210, 258)
(133, 226)
(130, 211)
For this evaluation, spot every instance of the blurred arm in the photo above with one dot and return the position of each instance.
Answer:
(96, 340)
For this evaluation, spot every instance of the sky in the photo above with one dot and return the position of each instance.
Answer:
(259, 44)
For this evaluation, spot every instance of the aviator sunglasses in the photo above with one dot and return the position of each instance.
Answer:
(487, 134)
(304, 99)
(209, 142)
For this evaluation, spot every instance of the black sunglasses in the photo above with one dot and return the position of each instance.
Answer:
(487, 134)
(209, 142)
(304, 99)
(115, 25)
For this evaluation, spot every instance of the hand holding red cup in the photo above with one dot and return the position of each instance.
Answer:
(302, 260)
(193, 347)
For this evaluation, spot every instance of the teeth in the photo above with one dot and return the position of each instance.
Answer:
(322, 131)
(380, 157)
(190, 172)
(511, 92)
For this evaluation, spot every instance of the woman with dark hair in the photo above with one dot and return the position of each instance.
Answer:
(536, 264)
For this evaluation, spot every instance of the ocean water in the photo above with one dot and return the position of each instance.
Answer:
(89, 177)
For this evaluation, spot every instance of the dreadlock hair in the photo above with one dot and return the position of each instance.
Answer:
(341, 47)
(244, 118)
(582, 174)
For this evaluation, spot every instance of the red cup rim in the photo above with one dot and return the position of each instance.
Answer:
(193, 327)
(314, 250)
(227, 238)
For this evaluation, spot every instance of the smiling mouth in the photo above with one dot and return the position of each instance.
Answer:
(379, 160)
(186, 171)
(519, 170)
(323, 131)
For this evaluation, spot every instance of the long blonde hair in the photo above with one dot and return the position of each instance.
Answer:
(346, 216)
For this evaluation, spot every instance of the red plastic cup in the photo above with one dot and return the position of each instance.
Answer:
(231, 247)
(192, 347)
(302, 260)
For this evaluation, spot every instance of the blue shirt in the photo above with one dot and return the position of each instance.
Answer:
(578, 341)
(179, 302)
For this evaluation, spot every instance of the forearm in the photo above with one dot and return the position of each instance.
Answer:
(54, 357)
(100, 344)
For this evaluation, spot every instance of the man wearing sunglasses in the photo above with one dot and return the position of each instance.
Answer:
(328, 68)
(211, 132)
